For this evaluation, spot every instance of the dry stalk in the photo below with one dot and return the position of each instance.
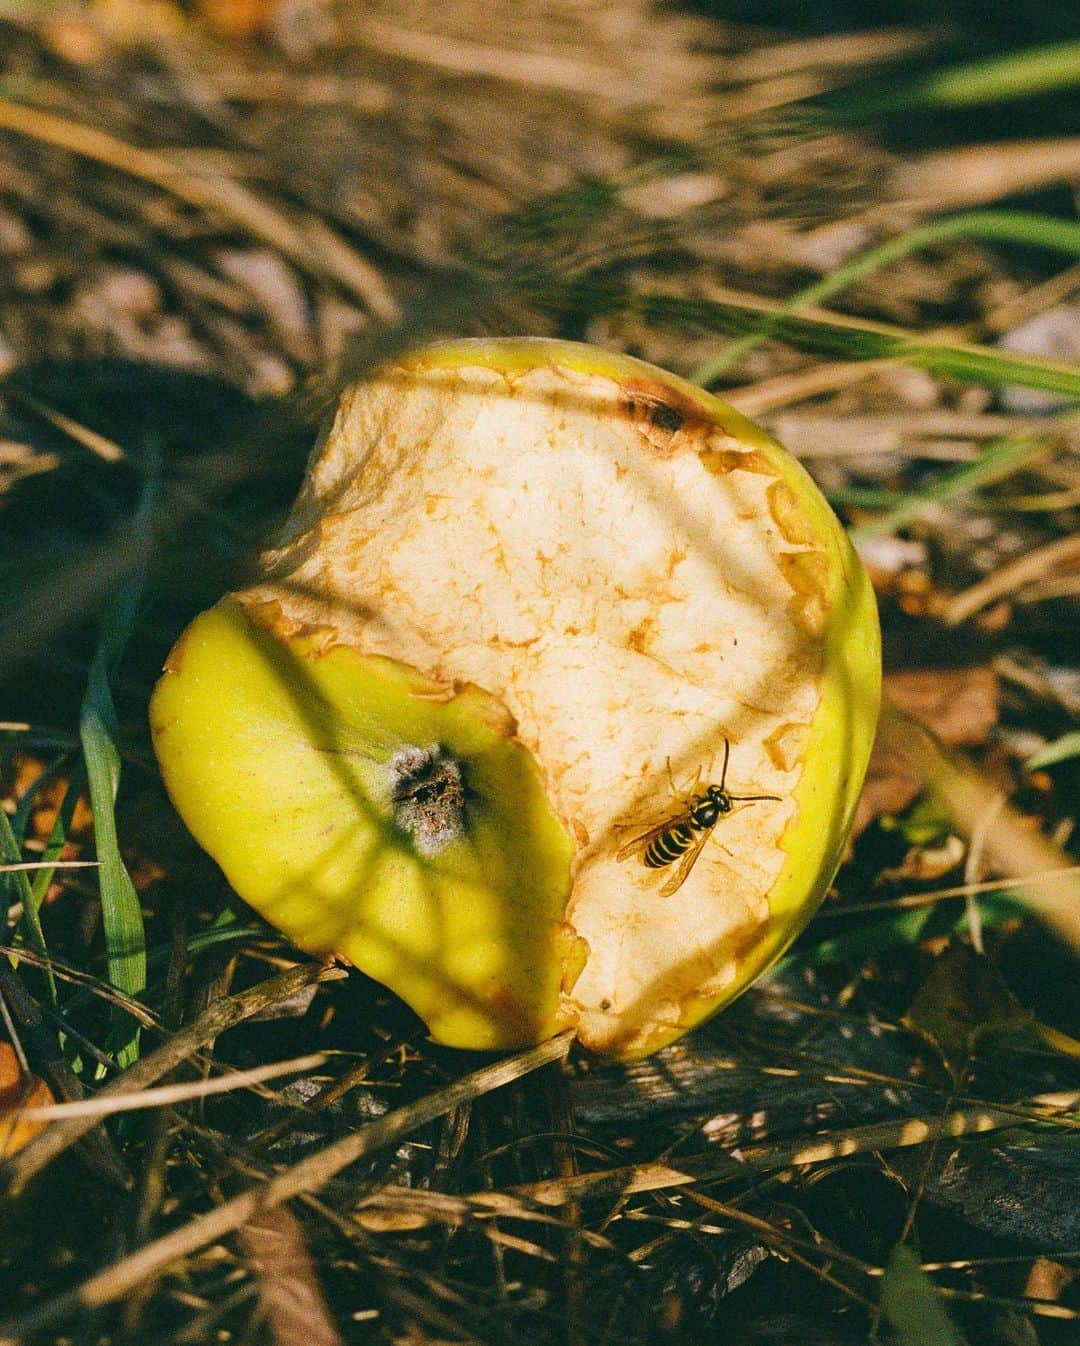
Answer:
(309, 1175)
(223, 1014)
(1012, 846)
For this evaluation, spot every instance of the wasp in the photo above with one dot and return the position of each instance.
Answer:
(682, 834)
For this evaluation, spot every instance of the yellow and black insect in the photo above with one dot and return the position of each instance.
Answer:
(684, 832)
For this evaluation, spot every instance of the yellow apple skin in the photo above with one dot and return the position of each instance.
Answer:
(275, 753)
(583, 578)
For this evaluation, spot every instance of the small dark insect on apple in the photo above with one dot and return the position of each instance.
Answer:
(682, 835)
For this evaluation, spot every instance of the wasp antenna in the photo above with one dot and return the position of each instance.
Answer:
(747, 799)
(727, 754)
(671, 778)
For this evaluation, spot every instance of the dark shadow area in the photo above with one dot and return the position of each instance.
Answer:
(82, 497)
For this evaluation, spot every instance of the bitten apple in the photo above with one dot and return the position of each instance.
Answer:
(530, 600)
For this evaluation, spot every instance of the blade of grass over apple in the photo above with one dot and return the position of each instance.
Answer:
(844, 338)
(121, 914)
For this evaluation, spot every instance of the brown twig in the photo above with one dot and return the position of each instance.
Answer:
(55, 1139)
(221, 195)
(1034, 565)
(309, 1175)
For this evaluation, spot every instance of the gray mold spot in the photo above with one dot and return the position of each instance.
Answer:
(427, 796)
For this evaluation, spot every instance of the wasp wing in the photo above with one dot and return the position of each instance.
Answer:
(686, 864)
(642, 839)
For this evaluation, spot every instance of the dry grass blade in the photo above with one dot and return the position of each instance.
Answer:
(812, 435)
(93, 985)
(307, 1176)
(463, 57)
(1038, 1308)
(1070, 874)
(521, 1201)
(183, 1044)
(170, 1094)
(841, 49)
(975, 175)
(220, 195)
(1051, 559)
(48, 864)
(100, 445)
(814, 329)
(754, 399)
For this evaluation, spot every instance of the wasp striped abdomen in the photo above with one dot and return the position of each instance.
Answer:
(676, 839)
(669, 845)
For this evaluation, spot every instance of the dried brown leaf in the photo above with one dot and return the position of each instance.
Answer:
(1014, 846)
(961, 1003)
(960, 705)
(293, 1307)
(237, 19)
(891, 784)
(18, 1091)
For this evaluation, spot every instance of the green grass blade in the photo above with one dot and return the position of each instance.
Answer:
(997, 79)
(912, 1306)
(120, 910)
(1020, 74)
(1005, 226)
(866, 937)
(121, 913)
(843, 339)
(30, 923)
(999, 459)
(1028, 73)
(1061, 750)
(159, 954)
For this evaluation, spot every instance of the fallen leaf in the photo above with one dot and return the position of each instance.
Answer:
(959, 704)
(924, 863)
(962, 1002)
(236, 19)
(18, 1091)
(48, 799)
(912, 1306)
(293, 1306)
(892, 784)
